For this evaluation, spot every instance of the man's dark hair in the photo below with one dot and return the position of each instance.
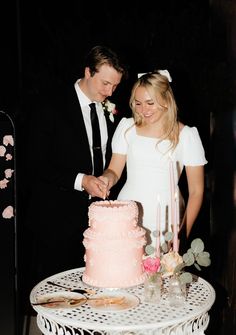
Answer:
(100, 55)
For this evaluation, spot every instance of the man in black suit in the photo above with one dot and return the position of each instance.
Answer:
(62, 181)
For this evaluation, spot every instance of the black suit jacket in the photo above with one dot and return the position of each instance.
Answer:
(58, 150)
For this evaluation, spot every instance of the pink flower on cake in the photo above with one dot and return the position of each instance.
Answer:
(8, 173)
(3, 183)
(2, 151)
(8, 139)
(8, 212)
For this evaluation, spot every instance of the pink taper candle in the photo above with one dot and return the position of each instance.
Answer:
(175, 227)
(158, 227)
(173, 208)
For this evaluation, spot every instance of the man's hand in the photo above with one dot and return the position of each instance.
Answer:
(105, 186)
(94, 186)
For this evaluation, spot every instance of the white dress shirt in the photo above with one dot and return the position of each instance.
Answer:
(84, 103)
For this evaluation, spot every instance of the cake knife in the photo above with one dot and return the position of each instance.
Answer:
(109, 300)
(70, 301)
(76, 290)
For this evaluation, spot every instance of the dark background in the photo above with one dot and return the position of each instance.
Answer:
(44, 42)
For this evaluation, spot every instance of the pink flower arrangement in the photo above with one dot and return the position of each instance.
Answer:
(170, 261)
(151, 265)
(8, 139)
(8, 212)
(3, 183)
(8, 173)
(2, 151)
(8, 157)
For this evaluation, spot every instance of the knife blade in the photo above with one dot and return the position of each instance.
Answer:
(70, 301)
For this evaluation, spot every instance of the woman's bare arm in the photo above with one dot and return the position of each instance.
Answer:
(195, 179)
(113, 173)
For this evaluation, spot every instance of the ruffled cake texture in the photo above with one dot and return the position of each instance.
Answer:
(114, 245)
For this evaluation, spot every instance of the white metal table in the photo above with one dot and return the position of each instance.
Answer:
(145, 319)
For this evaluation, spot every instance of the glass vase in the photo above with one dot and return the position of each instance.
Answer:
(152, 288)
(176, 292)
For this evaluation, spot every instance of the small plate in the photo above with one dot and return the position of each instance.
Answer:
(113, 301)
(63, 299)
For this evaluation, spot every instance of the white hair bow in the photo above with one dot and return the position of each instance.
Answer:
(164, 73)
(141, 74)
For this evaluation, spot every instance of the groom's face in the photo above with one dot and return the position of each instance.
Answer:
(103, 83)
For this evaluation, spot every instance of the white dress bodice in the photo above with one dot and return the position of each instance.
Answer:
(148, 170)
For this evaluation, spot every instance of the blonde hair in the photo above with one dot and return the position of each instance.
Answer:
(158, 86)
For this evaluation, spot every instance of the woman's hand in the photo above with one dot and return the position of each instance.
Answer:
(94, 186)
(105, 189)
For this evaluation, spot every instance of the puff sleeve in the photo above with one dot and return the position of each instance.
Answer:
(193, 151)
(121, 136)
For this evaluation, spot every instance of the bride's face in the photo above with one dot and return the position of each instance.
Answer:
(151, 109)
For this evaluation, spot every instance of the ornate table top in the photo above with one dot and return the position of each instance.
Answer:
(143, 319)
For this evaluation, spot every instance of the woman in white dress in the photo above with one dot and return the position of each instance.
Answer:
(156, 147)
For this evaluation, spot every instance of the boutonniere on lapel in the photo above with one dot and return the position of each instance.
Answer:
(110, 108)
